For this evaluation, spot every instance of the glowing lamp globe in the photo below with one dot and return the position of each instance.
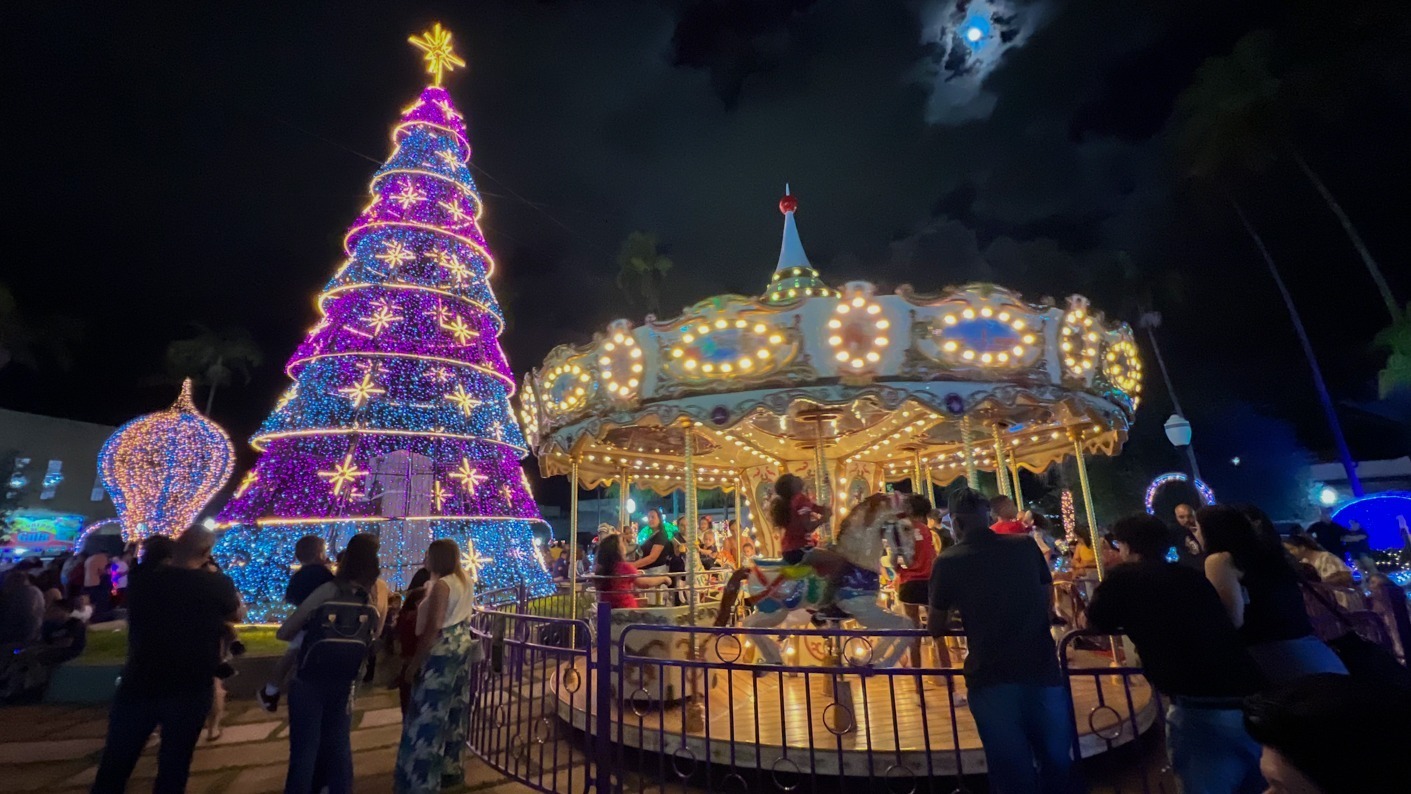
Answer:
(162, 468)
(1178, 431)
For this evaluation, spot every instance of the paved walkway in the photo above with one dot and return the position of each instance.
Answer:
(55, 748)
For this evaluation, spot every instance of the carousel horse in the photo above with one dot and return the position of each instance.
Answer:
(778, 590)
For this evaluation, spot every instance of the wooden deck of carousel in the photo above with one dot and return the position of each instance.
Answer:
(886, 723)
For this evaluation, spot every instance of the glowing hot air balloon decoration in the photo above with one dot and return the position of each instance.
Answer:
(162, 468)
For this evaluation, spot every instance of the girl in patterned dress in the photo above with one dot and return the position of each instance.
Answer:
(434, 732)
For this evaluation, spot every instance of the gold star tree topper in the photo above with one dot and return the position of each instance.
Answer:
(440, 58)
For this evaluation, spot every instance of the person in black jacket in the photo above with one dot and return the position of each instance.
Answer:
(1190, 652)
(1001, 585)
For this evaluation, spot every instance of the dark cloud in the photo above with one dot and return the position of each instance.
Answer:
(203, 163)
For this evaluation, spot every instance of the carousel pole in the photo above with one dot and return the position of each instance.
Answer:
(695, 711)
(916, 478)
(1001, 476)
(1087, 500)
(972, 477)
(739, 520)
(1014, 472)
(573, 548)
(624, 520)
(930, 487)
(688, 444)
(820, 477)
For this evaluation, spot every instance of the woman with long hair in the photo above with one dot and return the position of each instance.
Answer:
(1260, 590)
(795, 516)
(617, 578)
(658, 549)
(320, 721)
(433, 736)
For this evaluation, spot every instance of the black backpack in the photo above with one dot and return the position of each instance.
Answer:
(337, 637)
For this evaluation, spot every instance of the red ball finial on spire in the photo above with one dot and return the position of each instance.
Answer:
(788, 204)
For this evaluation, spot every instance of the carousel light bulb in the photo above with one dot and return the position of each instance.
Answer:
(949, 319)
(762, 354)
(873, 309)
(775, 339)
(842, 355)
(843, 308)
(677, 352)
(987, 312)
(857, 363)
(883, 325)
(835, 340)
(835, 323)
(968, 355)
(759, 328)
(857, 303)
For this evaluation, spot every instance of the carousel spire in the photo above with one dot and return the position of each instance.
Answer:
(794, 276)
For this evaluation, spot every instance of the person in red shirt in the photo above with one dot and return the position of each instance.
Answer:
(618, 579)
(1004, 509)
(914, 580)
(795, 515)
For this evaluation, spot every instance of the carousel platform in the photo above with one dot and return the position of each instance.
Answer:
(845, 724)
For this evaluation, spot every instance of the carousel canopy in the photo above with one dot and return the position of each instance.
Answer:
(866, 386)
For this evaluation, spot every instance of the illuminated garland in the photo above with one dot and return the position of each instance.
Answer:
(162, 468)
(1206, 495)
(399, 421)
(1069, 516)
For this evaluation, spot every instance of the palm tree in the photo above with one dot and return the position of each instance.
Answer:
(642, 269)
(1219, 118)
(1249, 103)
(1397, 340)
(211, 358)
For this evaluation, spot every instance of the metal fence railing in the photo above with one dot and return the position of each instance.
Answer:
(604, 704)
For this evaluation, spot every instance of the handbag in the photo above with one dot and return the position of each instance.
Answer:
(1365, 660)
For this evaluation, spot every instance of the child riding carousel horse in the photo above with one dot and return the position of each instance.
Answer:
(845, 576)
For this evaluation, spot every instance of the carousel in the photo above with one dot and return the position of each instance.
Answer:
(845, 386)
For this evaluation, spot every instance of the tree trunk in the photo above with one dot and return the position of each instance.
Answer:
(1348, 464)
(211, 397)
(1352, 235)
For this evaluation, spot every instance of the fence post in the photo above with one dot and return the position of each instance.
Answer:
(600, 662)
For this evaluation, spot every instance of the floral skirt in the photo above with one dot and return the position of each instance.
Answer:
(434, 733)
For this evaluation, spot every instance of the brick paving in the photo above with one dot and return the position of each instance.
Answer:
(55, 748)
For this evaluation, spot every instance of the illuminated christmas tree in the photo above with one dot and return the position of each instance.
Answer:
(398, 421)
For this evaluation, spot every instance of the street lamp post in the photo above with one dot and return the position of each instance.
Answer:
(1178, 428)
(1178, 432)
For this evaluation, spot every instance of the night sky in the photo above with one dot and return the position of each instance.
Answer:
(193, 165)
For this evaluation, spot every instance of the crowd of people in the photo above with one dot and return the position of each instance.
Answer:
(181, 614)
(1225, 614)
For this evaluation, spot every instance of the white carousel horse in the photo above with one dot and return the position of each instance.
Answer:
(783, 593)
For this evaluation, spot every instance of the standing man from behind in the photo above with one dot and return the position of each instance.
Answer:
(177, 616)
(1190, 652)
(1022, 711)
(1006, 515)
(1328, 533)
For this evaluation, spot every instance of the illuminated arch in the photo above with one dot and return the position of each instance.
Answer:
(1206, 495)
